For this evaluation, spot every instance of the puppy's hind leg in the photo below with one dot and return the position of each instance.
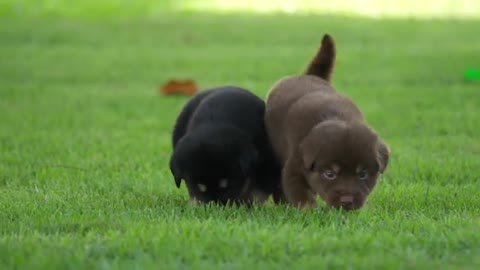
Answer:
(295, 187)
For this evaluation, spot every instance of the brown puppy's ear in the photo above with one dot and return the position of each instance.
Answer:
(383, 156)
(322, 134)
(308, 152)
(323, 63)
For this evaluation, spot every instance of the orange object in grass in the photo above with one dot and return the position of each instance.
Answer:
(176, 87)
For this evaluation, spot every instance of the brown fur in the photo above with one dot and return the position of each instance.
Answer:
(322, 139)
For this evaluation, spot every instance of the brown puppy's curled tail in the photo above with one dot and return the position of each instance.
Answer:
(323, 63)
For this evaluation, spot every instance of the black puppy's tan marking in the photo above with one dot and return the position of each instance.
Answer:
(221, 149)
(326, 147)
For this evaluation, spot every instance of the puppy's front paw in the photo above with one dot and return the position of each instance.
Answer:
(297, 192)
(308, 204)
(194, 202)
(306, 200)
(258, 196)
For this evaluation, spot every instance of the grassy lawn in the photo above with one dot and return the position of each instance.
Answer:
(85, 141)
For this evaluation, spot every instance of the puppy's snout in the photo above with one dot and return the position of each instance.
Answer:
(346, 201)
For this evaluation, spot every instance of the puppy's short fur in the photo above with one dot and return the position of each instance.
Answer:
(320, 136)
(221, 148)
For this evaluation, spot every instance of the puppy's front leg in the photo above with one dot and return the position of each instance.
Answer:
(279, 196)
(194, 201)
(295, 187)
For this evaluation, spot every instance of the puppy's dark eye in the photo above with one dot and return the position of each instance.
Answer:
(363, 175)
(330, 174)
(312, 167)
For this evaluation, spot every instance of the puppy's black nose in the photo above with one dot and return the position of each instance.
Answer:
(346, 201)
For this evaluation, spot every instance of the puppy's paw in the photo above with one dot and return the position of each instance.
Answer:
(194, 202)
(259, 197)
(308, 204)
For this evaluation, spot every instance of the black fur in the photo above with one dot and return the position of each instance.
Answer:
(220, 134)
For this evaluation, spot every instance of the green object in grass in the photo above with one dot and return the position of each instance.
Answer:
(472, 74)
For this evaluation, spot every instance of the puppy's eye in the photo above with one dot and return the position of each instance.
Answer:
(223, 183)
(312, 167)
(363, 175)
(330, 174)
(202, 187)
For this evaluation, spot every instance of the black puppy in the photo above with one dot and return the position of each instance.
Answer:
(221, 150)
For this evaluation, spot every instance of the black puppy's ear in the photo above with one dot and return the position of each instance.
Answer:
(383, 156)
(178, 180)
(177, 174)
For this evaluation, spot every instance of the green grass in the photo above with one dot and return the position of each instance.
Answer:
(85, 142)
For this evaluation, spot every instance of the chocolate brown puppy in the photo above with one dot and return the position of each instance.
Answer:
(322, 139)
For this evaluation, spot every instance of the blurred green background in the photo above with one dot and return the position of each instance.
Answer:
(152, 8)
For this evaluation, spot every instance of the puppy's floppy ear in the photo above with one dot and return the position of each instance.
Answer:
(308, 151)
(174, 168)
(383, 155)
(323, 63)
(322, 134)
